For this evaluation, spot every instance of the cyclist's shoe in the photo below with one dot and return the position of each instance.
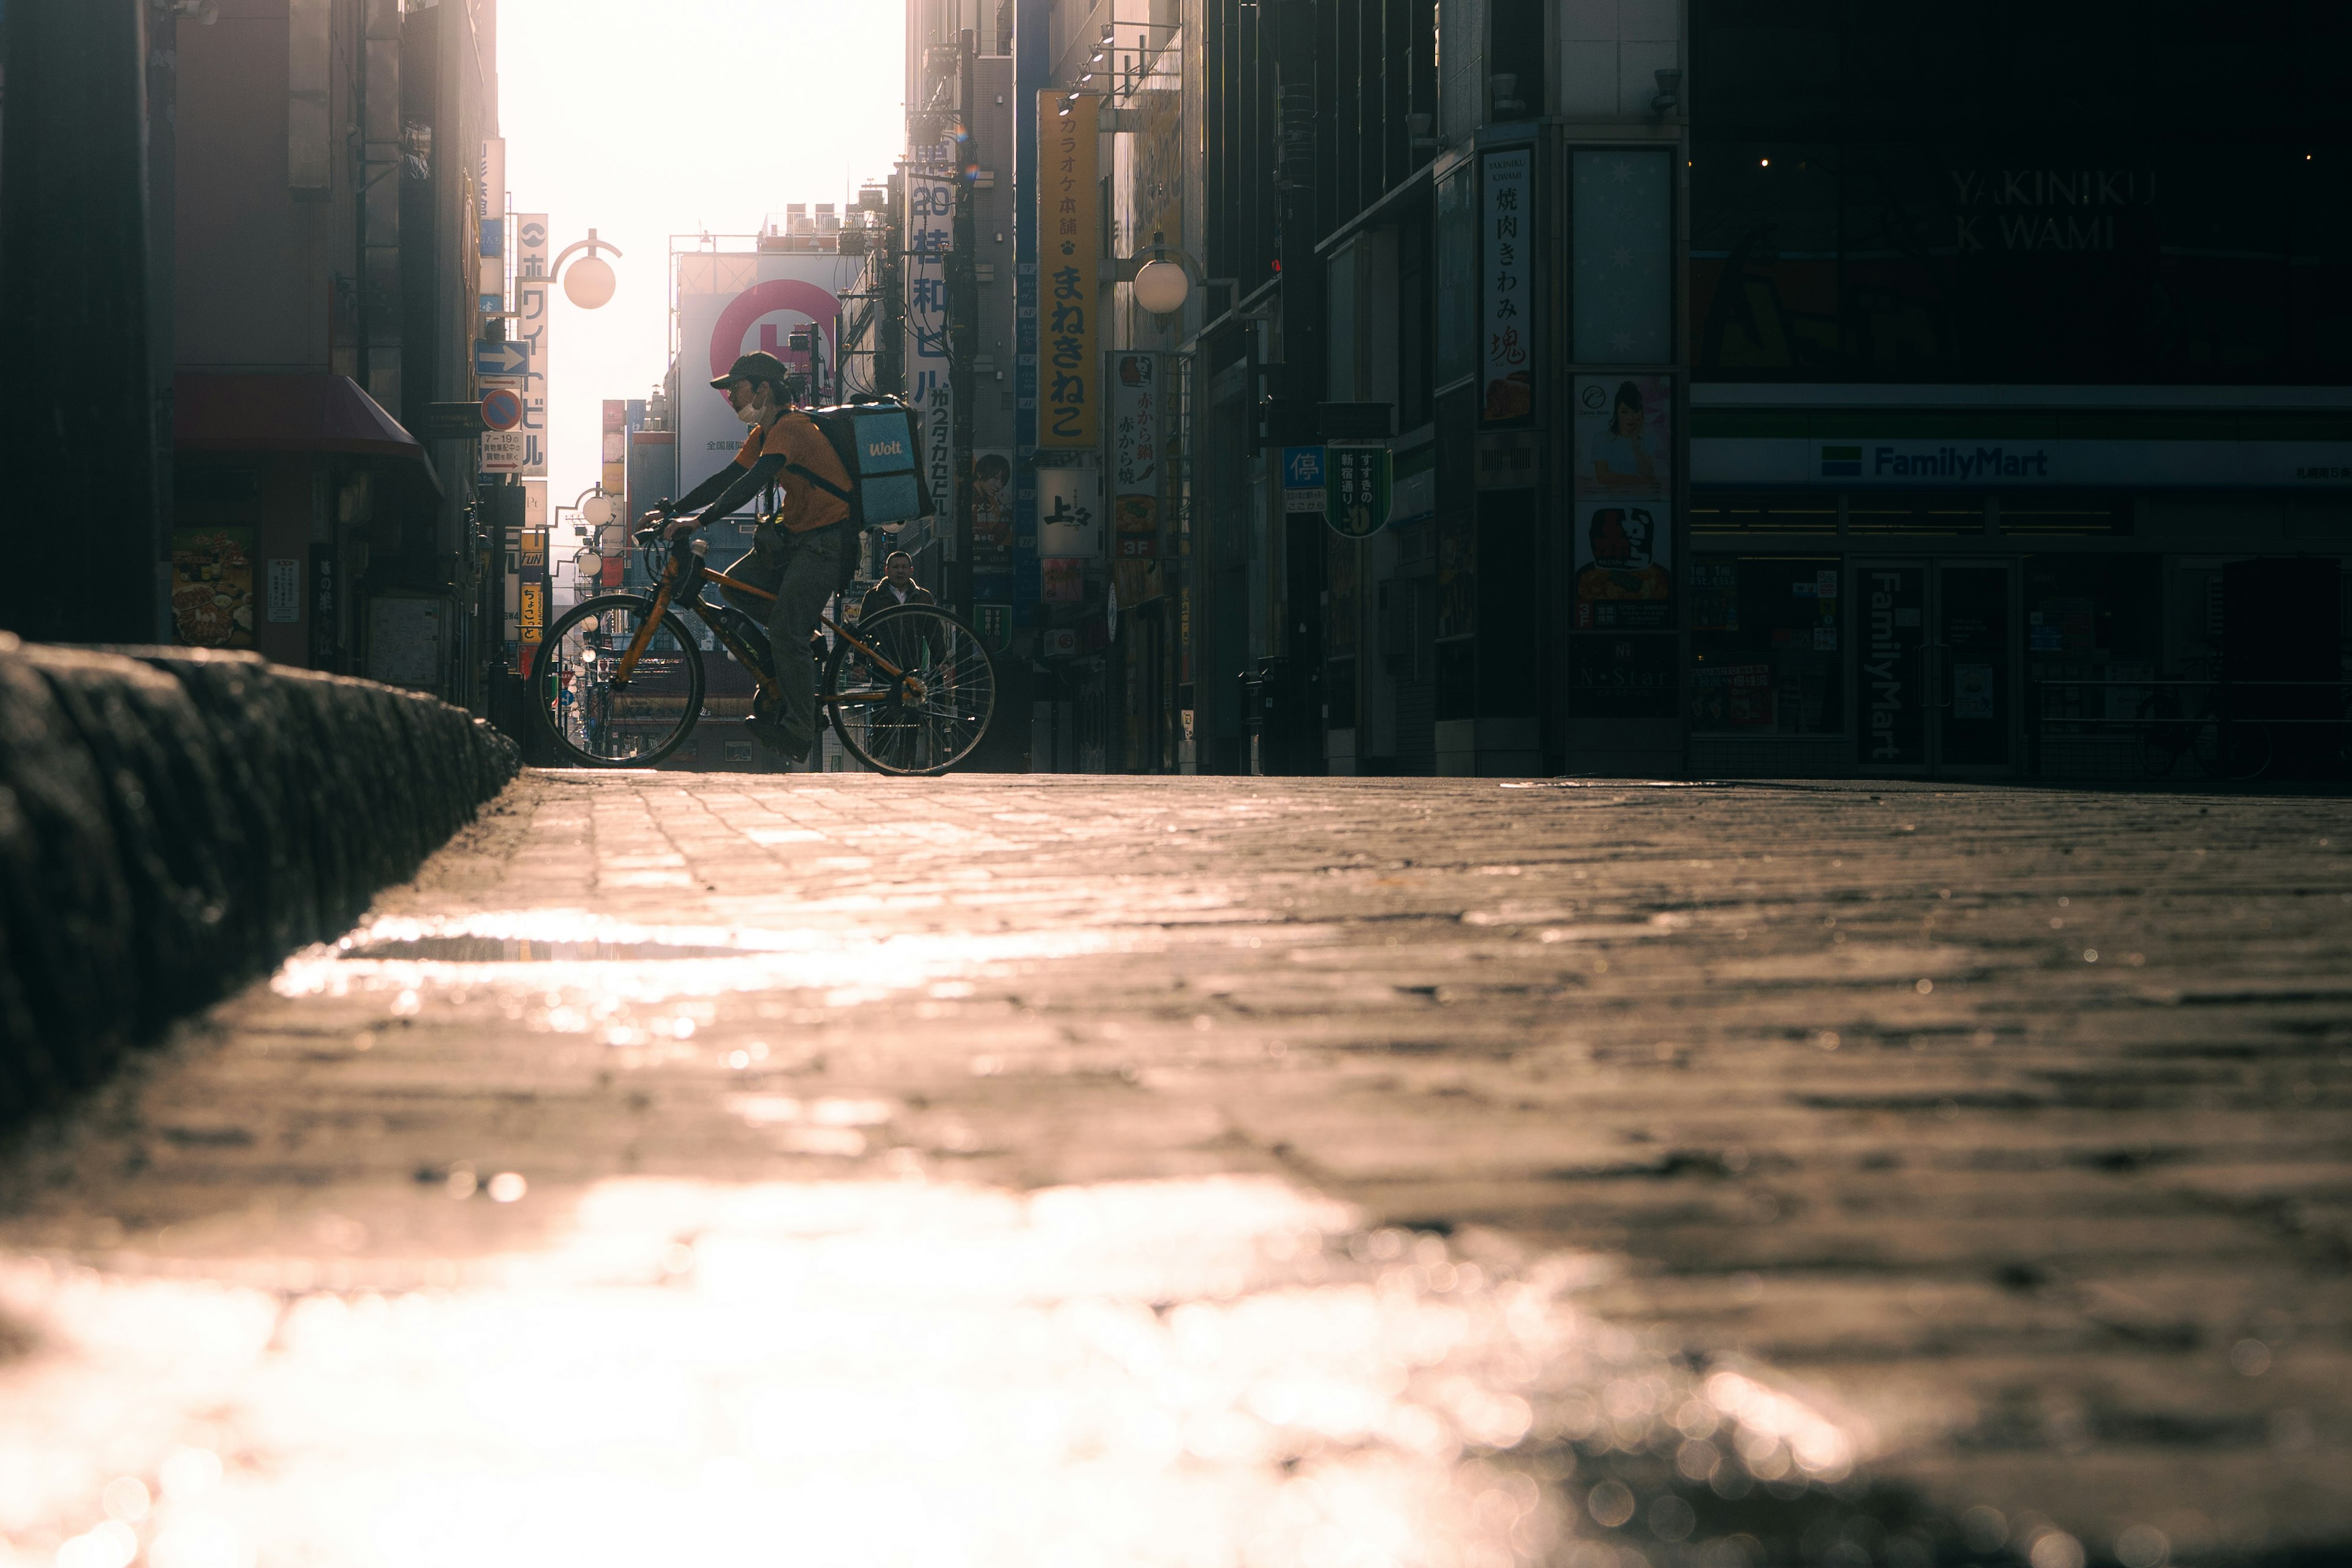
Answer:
(772, 735)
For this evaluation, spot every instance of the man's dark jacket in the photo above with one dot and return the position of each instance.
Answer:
(879, 598)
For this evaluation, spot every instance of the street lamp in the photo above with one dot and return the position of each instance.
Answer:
(591, 282)
(1162, 275)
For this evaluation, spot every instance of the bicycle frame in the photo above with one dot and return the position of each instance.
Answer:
(667, 592)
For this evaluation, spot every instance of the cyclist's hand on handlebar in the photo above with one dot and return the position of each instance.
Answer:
(678, 527)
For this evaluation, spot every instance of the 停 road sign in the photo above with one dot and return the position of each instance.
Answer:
(497, 357)
(1302, 479)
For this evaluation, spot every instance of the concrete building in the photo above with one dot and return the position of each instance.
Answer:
(321, 199)
(1699, 341)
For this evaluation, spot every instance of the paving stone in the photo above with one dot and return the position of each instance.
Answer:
(1999, 1136)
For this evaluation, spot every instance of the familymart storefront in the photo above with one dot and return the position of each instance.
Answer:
(1972, 581)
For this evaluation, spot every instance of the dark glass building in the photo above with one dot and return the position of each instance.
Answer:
(2021, 361)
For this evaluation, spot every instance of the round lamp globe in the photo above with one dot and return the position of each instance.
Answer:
(589, 282)
(1162, 287)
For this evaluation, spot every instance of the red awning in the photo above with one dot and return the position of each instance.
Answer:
(284, 414)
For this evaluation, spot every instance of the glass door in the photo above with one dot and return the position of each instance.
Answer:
(1934, 667)
(1974, 666)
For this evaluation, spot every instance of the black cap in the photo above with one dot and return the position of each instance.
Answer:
(762, 366)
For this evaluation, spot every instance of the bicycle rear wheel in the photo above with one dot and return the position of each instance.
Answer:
(928, 716)
(597, 724)
(2233, 749)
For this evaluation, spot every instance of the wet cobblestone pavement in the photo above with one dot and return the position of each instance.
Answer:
(1231, 1172)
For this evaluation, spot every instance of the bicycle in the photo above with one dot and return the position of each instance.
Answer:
(2230, 749)
(912, 692)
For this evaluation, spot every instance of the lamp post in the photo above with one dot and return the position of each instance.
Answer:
(589, 284)
(1163, 276)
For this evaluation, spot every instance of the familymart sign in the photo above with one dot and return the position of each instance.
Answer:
(1860, 463)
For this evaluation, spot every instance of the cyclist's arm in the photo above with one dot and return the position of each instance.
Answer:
(747, 483)
(709, 488)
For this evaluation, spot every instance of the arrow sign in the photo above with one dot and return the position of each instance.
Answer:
(501, 408)
(501, 358)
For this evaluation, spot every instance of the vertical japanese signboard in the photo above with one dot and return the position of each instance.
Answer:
(1359, 486)
(490, 215)
(1136, 479)
(529, 328)
(531, 602)
(614, 475)
(1506, 371)
(1069, 229)
(1069, 530)
(931, 231)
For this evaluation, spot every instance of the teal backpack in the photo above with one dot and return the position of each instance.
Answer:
(880, 445)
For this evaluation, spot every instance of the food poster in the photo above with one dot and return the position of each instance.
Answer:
(211, 586)
(1064, 580)
(1624, 503)
(1622, 579)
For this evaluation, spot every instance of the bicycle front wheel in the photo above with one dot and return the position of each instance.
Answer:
(927, 708)
(597, 722)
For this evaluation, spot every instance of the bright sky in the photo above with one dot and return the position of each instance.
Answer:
(643, 121)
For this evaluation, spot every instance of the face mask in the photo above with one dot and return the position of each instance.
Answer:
(749, 414)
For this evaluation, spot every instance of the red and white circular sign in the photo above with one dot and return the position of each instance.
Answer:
(501, 408)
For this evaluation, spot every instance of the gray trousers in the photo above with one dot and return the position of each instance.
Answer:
(803, 570)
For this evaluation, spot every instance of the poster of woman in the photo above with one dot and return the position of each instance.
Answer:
(1623, 445)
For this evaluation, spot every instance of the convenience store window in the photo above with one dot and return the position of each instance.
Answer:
(2092, 621)
(1800, 511)
(1766, 656)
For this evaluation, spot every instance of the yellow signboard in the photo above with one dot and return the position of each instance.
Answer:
(534, 611)
(1069, 221)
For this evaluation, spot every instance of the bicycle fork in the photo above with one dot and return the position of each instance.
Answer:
(662, 596)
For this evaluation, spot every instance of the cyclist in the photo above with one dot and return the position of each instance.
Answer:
(801, 551)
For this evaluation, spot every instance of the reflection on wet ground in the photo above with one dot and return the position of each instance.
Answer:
(520, 1225)
(517, 949)
(1227, 1372)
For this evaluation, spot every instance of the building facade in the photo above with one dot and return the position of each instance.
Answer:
(1650, 387)
(2020, 408)
(321, 199)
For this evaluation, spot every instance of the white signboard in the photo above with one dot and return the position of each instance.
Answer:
(285, 591)
(534, 504)
(787, 291)
(1069, 513)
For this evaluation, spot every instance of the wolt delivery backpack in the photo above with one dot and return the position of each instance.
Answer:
(881, 446)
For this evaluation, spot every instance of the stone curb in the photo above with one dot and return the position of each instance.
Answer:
(173, 820)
